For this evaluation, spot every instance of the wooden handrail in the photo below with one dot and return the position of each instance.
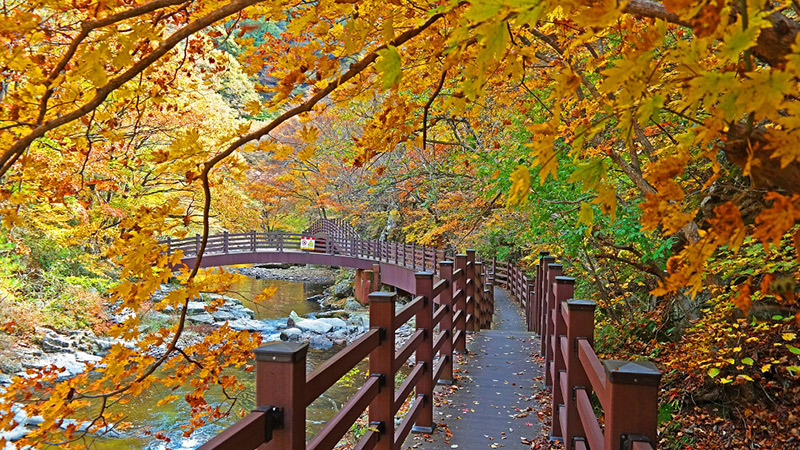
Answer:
(336, 427)
(408, 385)
(248, 432)
(327, 374)
(594, 370)
(409, 310)
(408, 348)
(594, 434)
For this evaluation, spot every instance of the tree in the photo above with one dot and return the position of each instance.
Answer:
(667, 106)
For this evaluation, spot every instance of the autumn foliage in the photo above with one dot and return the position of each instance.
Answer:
(654, 145)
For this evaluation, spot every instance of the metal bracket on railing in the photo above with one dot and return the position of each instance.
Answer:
(381, 333)
(627, 440)
(578, 439)
(274, 419)
(381, 379)
(380, 427)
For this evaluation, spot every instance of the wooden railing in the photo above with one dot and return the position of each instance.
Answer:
(450, 298)
(627, 391)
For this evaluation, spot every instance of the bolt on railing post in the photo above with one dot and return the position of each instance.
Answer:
(564, 288)
(381, 364)
(632, 410)
(446, 325)
(553, 271)
(470, 290)
(283, 364)
(461, 304)
(424, 287)
(579, 325)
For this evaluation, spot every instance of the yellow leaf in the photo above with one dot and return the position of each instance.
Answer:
(520, 185)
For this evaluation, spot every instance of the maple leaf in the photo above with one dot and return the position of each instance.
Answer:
(520, 186)
(389, 65)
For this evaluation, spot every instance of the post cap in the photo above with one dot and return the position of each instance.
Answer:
(280, 351)
(469, 251)
(565, 280)
(478, 263)
(446, 263)
(423, 275)
(580, 305)
(632, 372)
(380, 296)
(544, 253)
(554, 266)
(461, 255)
(547, 259)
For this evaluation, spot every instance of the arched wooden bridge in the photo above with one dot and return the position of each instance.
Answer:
(452, 295)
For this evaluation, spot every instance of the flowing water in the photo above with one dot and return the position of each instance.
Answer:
(143, 411)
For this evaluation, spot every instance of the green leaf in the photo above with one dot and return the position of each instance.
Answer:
(748, 361)
(389, 65)
(793, 349)
(713, 372)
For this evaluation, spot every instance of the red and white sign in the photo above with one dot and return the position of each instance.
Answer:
(307, 243)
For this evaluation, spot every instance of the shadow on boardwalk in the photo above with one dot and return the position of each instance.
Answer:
(498, 400)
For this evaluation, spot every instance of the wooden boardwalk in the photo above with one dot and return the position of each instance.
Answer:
(498, 391)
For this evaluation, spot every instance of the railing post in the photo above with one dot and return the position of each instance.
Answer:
(580, 325)
(553, 270)
(632, 410)
(544, 261)
(225, 242)
(413, 255)
(279, 238)
(531, 308)
(480, 303)
(461, 304)
(381, 362)
(424, 423)
(169, 246)
(196, 245)
(446, 325)
(253, 241)
(470, 290)
(283, 364)
(564, 287)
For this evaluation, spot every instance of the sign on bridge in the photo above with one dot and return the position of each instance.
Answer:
(307, 243)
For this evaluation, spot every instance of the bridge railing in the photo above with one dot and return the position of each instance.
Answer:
(626, 390)
(283, 390)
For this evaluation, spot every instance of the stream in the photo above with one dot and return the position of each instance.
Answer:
(143, 411)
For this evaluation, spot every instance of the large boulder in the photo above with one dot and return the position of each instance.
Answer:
(336, 324)
(343, 289)
(291, 334)
(351, 304)
(244, 324)
(205, 319)
(319, 326)
(194, 308)
(359, 321)
(293, 319)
